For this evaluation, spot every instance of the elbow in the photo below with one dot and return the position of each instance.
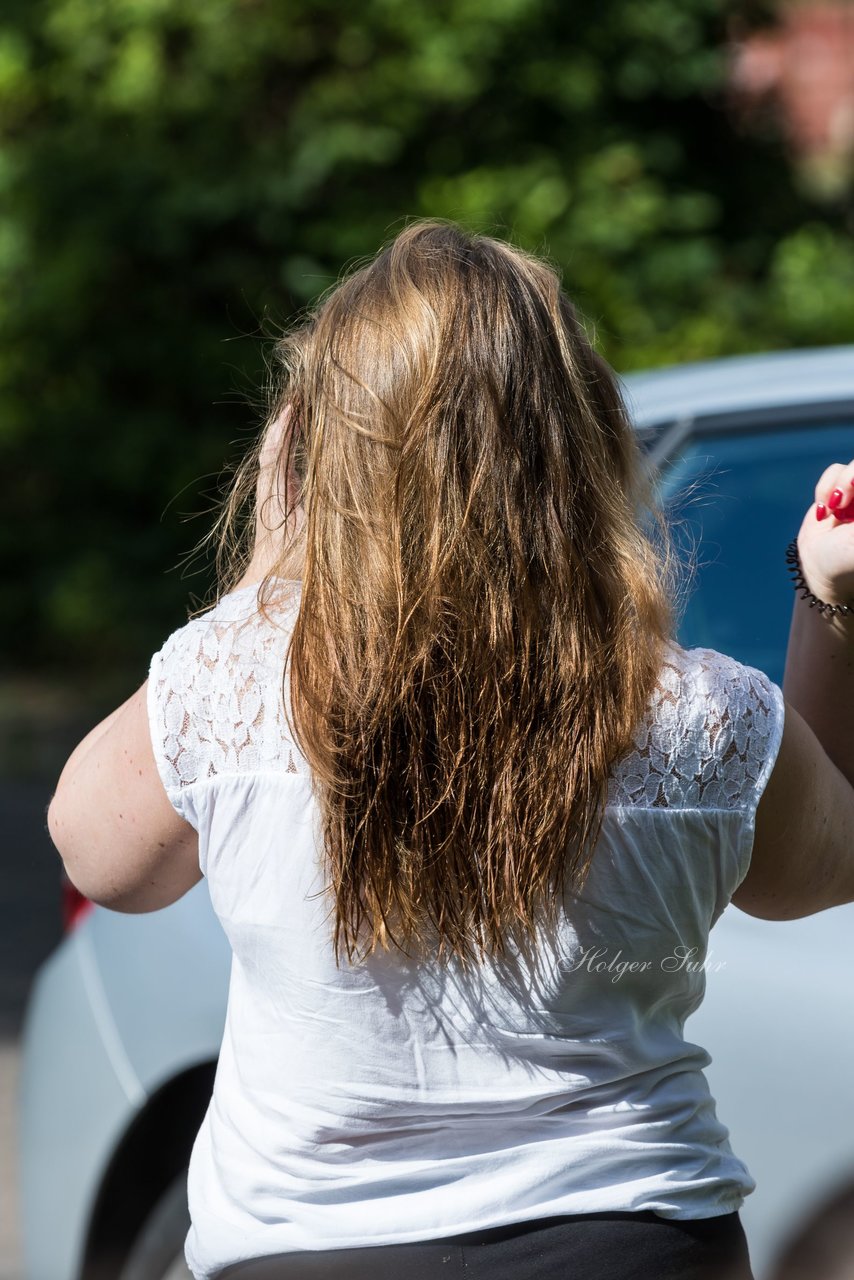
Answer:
(53, 823)
(56, 828)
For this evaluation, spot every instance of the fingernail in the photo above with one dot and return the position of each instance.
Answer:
(820, 511)
(834, 499)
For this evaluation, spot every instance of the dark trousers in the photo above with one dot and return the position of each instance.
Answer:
(584, 1246)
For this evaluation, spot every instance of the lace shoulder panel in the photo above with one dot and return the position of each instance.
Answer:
(216, 694)
(709, 739)
(216, 705)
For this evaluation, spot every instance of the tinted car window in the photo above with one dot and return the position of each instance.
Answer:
(739, 499)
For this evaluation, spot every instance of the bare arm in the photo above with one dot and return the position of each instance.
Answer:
(819, 679)
(121, 841)
(803, 851)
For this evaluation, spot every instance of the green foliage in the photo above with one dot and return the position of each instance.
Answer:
(177, 178)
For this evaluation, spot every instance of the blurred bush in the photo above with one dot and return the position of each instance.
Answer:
(176, 179)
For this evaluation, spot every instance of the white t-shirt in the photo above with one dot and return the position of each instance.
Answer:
(390, 1101)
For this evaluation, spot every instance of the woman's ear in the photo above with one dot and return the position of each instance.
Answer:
(276, 449)
(270, 501)
(274, 438)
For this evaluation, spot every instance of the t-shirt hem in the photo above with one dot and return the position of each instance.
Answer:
(687, 1213)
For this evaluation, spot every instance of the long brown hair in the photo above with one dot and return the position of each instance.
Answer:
(484, 602)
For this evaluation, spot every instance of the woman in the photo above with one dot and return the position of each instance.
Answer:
(466, 810)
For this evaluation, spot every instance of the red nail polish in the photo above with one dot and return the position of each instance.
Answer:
(834, 499)
(820, 511)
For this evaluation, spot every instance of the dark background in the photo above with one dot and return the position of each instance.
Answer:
(177, 180)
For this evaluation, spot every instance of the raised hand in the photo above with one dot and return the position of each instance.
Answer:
(825, 542)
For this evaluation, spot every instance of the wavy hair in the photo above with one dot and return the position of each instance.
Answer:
(484, 602)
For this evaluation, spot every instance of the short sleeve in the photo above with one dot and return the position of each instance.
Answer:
(214, 704)
(177, 746)
(742, 713)
(766, 707)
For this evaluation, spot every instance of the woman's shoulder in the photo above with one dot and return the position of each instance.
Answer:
(234, 631)
(215, 688)
(711, 665)
(240, 610)
(708, 727)
(708, 679)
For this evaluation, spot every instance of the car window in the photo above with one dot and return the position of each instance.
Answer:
(738, 498)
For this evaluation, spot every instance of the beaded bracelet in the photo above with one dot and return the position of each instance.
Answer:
(794, 563)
